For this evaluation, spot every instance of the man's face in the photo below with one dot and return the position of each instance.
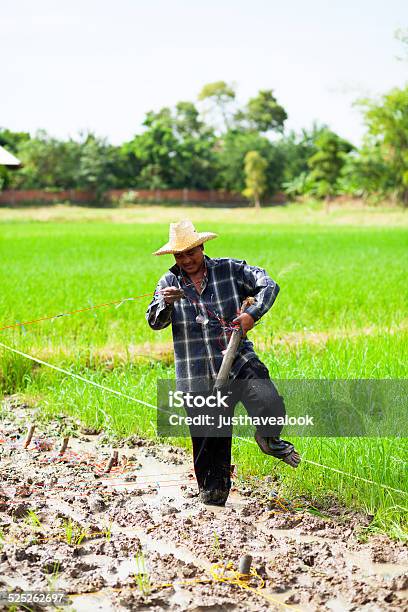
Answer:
(190, 261)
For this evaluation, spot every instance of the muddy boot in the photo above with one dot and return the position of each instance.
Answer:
(215, 497)
(215, 490)
(281, 449)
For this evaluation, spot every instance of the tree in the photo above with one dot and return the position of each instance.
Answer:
(155, 149)
(232, 149)
(47, 163)
(387, 123)
(263, 112)
(97, 163)
(88, 163)
(299, 185)
(326, 164)
(255, 177)
(176, 150)
(366, 174)
(187, 121)
(127, 167)
(12, 140)
(196, 159)
(296, 150)
(220, 96)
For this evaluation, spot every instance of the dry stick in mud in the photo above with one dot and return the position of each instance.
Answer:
(113, 460)
(29, 436)
(64, 445)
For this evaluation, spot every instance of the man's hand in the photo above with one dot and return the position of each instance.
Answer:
(246, 322)
(172, 294)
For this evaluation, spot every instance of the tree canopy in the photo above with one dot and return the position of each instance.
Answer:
(214, 143)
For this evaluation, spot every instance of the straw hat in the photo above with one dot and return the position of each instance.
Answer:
(182, 237)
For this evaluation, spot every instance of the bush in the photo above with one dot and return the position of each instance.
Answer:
(128, 198)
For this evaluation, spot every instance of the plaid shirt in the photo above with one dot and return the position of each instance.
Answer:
(200, 321)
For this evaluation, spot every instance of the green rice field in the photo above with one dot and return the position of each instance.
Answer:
(341, 313)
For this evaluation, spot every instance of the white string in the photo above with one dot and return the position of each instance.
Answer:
(90, 382)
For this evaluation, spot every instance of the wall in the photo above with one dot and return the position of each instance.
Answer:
(12, 197)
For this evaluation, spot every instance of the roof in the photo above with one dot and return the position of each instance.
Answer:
(7, 159)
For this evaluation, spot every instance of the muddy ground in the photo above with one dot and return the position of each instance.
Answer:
(137, 538)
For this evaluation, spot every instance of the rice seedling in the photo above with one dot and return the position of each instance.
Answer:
(141, 574)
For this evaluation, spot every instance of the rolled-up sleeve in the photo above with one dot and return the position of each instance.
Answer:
(259, 285)
(159, 313)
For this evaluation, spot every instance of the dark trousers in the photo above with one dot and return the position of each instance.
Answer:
(258, 394)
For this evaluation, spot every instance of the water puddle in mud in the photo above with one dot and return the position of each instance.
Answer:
(84, 602)
(290, 534)
(338, 604)
(369, 568)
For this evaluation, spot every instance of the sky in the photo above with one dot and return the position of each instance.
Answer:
(72, 65)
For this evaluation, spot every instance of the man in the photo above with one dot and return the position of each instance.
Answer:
(201, 297)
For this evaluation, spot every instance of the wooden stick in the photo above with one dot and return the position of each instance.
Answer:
(64, 445)
(29, 436)
(113, 460)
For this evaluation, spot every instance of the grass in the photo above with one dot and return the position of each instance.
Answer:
(107, 531)
(33, 520)
(141, 574)
(216, 547)
(341, 313)
(53, 577)
(74, 533)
